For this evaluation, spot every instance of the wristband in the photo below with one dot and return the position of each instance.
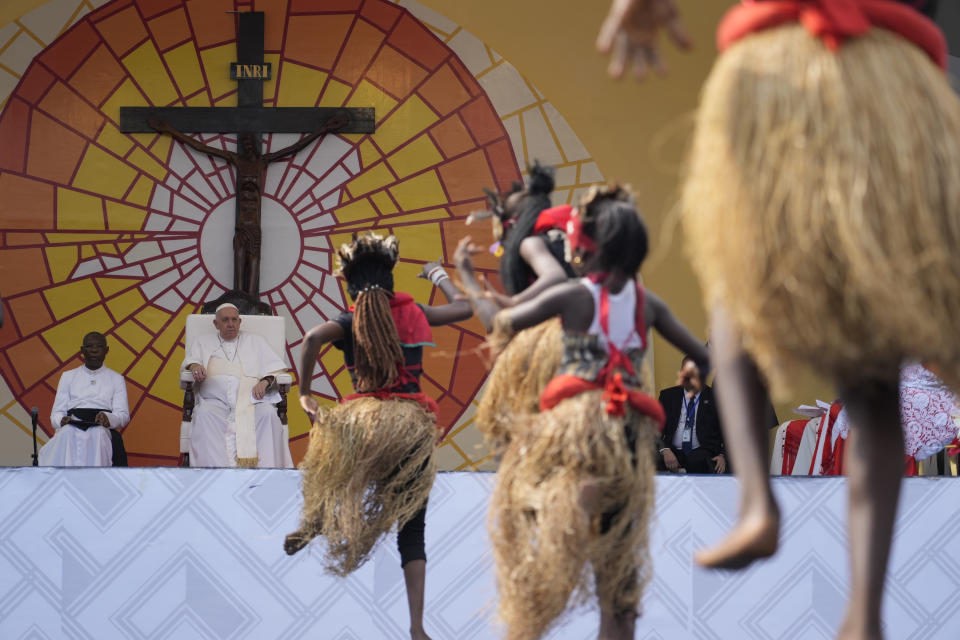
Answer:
(437, 275)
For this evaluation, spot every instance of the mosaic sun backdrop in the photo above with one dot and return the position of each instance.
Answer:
(128, 234)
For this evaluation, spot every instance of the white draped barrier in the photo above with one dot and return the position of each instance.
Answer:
(183, 553)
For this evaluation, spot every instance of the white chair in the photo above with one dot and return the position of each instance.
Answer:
(272, 328)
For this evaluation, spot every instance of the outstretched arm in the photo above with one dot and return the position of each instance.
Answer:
(549, 272)
(334, 123)
(441, 314)
(315, 338)
(163, 126)
(660, 317)
(570, 300)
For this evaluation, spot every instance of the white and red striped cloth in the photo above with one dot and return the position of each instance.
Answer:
(815, 446)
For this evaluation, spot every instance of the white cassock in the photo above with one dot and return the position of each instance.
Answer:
(227, 427)
(84, 388)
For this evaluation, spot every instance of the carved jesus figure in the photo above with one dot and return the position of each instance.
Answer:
(251, 168)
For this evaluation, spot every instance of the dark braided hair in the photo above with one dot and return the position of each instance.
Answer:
(514, 272)
(611, 220)
(368, 269)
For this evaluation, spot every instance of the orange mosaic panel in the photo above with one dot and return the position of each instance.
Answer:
(395, 73)
(361, 46)
(72, 110)
(272, 29)
(54, 150)
(150, 8)
(14, 135)
(444, 91)
(61, 167)
(452, 137)
(333, 6)
(465, 177)
(482, 121)
(32, 360)
(209, 25)
(304, 46)
(411, 37)
(31, 313)
(99, 76)
(35, 83)
(498, 154)
(382, 14)
(468, 80)
(26, 204)
(170, 29)
(123, 30)
(65, 55)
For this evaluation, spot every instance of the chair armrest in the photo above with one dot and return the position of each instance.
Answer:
(284, 380)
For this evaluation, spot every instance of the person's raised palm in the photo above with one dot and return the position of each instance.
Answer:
(630, 35)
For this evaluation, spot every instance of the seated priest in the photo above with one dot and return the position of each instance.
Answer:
(234, 421)
(90, 405)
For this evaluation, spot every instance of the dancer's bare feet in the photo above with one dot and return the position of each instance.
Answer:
(754, 537)
(853, 631)
(419, 634)
(295, 542)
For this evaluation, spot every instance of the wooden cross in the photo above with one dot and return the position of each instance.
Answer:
(249, 119)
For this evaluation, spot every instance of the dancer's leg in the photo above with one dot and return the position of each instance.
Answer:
(615, 626)
(742, 400)
(874, 465)
(413, 559)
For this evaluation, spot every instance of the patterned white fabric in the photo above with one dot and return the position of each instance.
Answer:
(192, 553)
(927, 412)
(927, 408)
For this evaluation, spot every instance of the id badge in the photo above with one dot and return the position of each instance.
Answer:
(687, 435)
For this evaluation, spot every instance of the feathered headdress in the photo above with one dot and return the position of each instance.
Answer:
(540, 182)
(368, 246)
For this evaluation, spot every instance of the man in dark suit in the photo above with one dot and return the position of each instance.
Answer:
(692, 438)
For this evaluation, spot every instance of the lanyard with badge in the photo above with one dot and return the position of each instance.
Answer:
(689, 422)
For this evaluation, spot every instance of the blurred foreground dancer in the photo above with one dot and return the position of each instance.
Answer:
(575, 486)
(533, 251)
(828, 208)
(370, 463)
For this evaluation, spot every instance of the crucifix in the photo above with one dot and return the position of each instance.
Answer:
(248, 120)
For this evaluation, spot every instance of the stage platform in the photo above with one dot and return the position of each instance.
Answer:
(179, 553)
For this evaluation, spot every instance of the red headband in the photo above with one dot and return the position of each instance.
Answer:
(833, 21)
(578, 239)
(567, 219)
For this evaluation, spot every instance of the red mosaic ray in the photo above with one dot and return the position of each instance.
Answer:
(369, 41)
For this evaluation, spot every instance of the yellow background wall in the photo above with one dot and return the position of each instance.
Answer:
(636, 132)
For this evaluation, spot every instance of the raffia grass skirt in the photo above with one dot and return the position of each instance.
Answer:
(543, 540)
(370, 465)
(822, 204)
(527, 363)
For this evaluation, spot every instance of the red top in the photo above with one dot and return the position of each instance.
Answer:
(834, 21)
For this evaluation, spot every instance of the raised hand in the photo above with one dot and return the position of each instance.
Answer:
(631, 32)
